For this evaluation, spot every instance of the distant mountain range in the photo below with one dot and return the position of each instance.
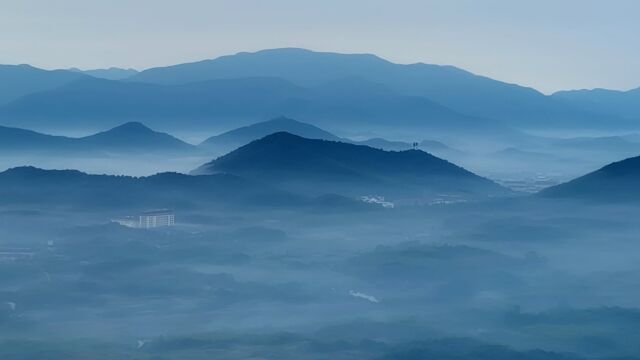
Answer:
(136, 138)
(454, 88)
(100, 99)
(321, 166)
(616, 182)
(624, 104)
(21, 80)
(349, 103)
(351, 91)
(112, 73)
(129, 138)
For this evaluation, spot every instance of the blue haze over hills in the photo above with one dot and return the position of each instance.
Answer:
(322, 206)
(325, 88)
(127, 138)
(20, 80)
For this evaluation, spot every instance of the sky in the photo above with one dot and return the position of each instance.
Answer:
(546, 44)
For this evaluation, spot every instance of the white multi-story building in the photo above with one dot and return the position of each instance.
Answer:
(157, 218)
(148, 219)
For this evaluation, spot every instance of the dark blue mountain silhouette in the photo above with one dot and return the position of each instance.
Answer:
(236, 138)
(15, 139)
(616, 182)
(74, 189)
(314, 165)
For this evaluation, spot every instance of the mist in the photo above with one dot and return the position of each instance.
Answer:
(292, 204)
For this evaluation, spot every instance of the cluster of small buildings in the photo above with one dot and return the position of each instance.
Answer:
(148, 219)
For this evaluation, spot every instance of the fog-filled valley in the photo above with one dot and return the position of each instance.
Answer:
(288, 204)
(326, 278)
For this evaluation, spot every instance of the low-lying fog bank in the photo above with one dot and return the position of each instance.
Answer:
(341, 283)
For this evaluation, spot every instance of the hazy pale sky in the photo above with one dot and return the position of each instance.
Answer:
(546, 44)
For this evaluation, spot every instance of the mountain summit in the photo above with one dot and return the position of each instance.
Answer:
(132, 137)
(235, 138)
(321, 166)
(135, 136)
(454, 88)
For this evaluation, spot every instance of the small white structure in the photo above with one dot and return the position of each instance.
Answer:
(16, 254)
(377, 200)
(148, 219)
(157, 218)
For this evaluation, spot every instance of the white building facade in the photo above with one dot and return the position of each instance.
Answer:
(159, 218)
(148, 219)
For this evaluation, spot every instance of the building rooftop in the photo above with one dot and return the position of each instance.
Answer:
(157, 212)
